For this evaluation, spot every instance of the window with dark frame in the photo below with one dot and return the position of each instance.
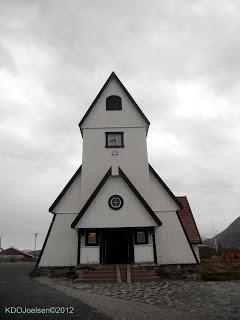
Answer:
(141, 236)
(115, 202)
(91, 238)
(113, 103)
(114, 140)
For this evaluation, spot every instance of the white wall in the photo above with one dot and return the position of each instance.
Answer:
(61, 246)
(126, 117)
(70, 202)
(171, 243)
(97, 159)
(160, 199)
(143, 253)
(89, 254)
(100, 215)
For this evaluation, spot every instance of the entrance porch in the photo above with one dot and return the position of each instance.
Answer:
(116, 246)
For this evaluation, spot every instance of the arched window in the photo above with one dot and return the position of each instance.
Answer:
(113, 103)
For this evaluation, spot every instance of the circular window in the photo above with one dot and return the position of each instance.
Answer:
(115, 202)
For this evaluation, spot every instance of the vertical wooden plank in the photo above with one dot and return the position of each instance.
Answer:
(79, 247)
(154, 245)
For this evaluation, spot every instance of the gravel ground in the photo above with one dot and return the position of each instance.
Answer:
(163, 300)
(127, 308)
(215, 299)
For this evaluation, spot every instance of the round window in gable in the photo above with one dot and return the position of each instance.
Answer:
(115, 202)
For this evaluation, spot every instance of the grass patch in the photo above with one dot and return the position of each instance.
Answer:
(220, 276)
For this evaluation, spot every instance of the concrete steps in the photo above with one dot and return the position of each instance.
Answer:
(97, 275)
(140, 274)
(116, 273)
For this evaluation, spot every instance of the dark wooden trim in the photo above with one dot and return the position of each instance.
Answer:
(145, 230)
(79, 247)
(138, 195)
(110, 205)
(193, 252)
(154, 245)
(163, 184)
(87, 244)
(101, 243)
(131, 246)
(70, 182)
(113, 75)
(106, 139)
(45, 241)
(93, 195)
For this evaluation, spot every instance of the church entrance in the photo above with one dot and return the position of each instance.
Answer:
(117, 246)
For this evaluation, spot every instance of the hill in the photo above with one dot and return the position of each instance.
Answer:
(229, 238)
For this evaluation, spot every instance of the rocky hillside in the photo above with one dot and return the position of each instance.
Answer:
(229, 238)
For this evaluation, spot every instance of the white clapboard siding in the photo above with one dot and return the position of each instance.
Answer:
(97, 159)
(100, 215)
(99, 117)
(143, 253)
(171, 243)
(160, 199)
(70, 201)
(61, 246)
(89, 255)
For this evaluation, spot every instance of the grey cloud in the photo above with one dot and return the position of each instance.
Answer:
(154, 50)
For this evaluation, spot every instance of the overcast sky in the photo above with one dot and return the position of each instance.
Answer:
(180, 60)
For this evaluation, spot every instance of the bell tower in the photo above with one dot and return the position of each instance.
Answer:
(114, 133)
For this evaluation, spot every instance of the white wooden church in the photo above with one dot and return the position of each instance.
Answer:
(116, 209)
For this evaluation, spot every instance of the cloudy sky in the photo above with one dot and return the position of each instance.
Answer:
(180, 60)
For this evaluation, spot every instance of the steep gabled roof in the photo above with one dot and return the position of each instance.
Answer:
(114, 76)
(163, 184)
(65, 189)
(189, 224)
(99, 187)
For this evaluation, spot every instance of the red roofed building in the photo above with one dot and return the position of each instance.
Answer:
(15, 253)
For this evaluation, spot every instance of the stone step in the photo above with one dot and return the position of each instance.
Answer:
(94, 280)
(96, 276)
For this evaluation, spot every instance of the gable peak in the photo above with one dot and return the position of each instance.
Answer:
(114, 76)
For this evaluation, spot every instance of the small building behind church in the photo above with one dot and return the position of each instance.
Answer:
(116, 209)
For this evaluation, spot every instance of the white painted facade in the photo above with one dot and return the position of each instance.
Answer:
(83, 205)
(132, 214)
(61, 247)
(70, 201)
(98, 159)
(171, 242)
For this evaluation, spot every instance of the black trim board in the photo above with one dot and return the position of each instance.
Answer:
(138, 195)
(154, 245)
(46, 239)
(99, 187)
(65, 189)
(193, 252)
(113, 76)
(163, 184)
(79, 247)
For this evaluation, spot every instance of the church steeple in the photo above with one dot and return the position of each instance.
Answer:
(114, 134)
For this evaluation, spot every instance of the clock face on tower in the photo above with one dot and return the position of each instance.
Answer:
(114, 140)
